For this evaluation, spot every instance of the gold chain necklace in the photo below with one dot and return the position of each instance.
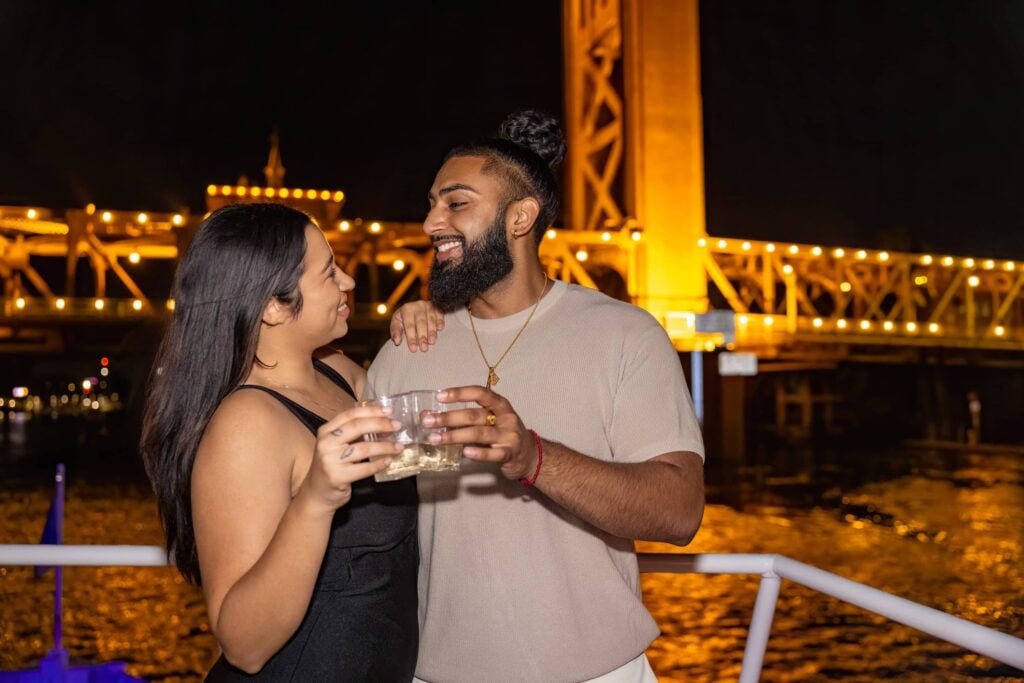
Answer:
(492, 376)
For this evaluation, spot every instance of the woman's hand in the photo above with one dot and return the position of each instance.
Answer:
(492, 432)
(420, 322)
(342, 456)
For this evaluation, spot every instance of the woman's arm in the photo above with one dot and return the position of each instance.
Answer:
(260, 549)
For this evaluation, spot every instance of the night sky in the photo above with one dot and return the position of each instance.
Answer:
(857, 122)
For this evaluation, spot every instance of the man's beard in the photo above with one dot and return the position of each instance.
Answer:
(484, 263)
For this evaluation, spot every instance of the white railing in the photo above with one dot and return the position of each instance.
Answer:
(772, 568)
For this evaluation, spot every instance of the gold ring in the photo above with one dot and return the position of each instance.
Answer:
(491, 419)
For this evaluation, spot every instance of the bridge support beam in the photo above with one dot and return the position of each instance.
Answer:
(665, 151)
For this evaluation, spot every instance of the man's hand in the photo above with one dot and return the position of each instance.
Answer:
(419, 322)
(492, 432)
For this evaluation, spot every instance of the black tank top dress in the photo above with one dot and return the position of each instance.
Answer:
(361, 624)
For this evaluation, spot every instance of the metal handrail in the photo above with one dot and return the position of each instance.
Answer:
(772, 568)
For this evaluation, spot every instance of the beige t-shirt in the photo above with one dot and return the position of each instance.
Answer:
(513, 587)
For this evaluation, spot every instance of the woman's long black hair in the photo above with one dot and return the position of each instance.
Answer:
(241, 257)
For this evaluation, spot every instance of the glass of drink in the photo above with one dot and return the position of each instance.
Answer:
(418, 455)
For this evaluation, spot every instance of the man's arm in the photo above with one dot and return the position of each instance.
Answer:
(661, 499)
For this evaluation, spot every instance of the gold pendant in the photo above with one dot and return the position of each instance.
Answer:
(492, 377)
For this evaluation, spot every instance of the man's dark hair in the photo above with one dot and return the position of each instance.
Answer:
(528, 149)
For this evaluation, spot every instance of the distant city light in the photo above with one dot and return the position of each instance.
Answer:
(19, 392)
(86, 384)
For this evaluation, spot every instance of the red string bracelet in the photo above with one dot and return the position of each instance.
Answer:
(540, 459)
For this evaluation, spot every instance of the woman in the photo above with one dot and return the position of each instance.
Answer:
(253, 443)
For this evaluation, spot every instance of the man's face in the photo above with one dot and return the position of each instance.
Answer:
(466, 223)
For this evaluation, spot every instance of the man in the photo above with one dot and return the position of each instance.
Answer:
(582, 438)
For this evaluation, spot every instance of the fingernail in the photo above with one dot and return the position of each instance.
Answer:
(396, 340)
(442, 395)
(434, 438)
(386, 410)
(396, 425)
(429, 419)
(432, 338)
(470, 452)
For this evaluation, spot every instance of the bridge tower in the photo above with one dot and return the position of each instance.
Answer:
(633, 124)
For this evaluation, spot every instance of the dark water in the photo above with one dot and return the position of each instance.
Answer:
(943, 530)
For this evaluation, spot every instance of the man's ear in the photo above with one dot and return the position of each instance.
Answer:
(522, 216)
(275, 312)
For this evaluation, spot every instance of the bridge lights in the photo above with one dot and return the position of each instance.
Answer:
(551, 234)
(973, 281)
(170, 304)
(310, 194)
(211, 189)
(743, 320)
(883, 256)
(787, 269)
(1000, 330)
(32, 214)
(934, 328)
(926, 260)
(794, 249)
(375, 228)
(606, 236)
(770, 248)
(947, 261)
(921, 280)
(861, 254)
(841, 324)
(816, 251)
(745, 246)
(988, 264)
(338, 196)
(177, 219)
(399, 264)
(90, 208)
(582, 255)
(700, 243)
(134, 257)
(325, 195)
(722, 244)
(911, 327)
(107, 216)
(382, 309)
(137, 305)
(271, 191)
(59, 304)
(19, 303)
(1009, 266)
(968, 263)
(817, 322)
(635, 234)
(845, 286)
(283, 193)
(888, 326)
(99, 304)
(225, 189)
(865, 325)
(769, 321)
(142, 218)
(839, 253)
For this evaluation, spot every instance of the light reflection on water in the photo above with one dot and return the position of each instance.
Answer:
(948, 538)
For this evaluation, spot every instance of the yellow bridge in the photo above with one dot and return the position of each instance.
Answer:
(634, 201)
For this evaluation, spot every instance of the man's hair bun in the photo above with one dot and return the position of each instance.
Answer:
(538, 132)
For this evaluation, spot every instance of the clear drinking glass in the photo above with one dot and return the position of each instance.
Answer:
(418, 455)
